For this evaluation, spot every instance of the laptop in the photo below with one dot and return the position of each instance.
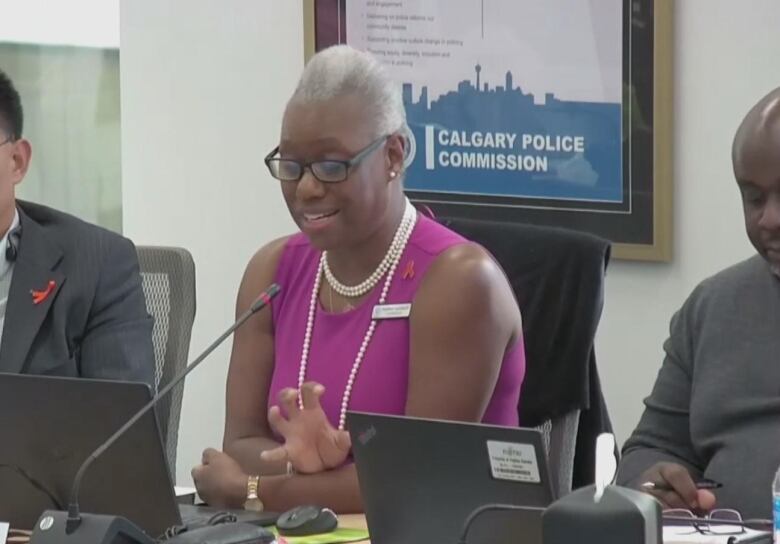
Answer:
(50, 425)
(420, 479)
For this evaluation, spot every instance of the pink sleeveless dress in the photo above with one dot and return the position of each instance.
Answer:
(381, 382)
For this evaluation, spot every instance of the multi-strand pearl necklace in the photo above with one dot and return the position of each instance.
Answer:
(390, 263)
(393, 252)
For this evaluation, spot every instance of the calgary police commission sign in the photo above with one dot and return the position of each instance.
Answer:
(500, 142)
(514, 123)
(461, 149)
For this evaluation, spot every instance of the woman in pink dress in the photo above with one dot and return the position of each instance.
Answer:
(450, 348)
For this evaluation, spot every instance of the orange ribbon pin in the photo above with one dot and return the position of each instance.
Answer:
(408, 271)
(40, 296)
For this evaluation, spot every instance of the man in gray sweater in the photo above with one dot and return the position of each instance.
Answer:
(714, 413)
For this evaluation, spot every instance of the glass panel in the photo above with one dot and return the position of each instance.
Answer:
(70, 96)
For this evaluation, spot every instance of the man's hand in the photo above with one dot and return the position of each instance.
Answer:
(674, 487)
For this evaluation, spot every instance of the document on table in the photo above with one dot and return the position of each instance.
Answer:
(677, 534)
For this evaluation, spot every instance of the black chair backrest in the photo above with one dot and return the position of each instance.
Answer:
(557, 276)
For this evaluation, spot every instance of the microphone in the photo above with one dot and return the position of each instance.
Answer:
(74, 517)
(12, 246)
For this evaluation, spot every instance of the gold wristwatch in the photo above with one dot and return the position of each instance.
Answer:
(253, 502)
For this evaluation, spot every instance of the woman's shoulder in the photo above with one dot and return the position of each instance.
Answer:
(465, 285)
(466, 275)
(267, 256)
(265, 264)
(468, 265)
(433, 238)
(453, 255)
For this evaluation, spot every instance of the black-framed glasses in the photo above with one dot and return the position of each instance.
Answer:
(723, 521)
(326, 171)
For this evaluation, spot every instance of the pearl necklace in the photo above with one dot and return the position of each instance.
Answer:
(397, 246)
(405, 228)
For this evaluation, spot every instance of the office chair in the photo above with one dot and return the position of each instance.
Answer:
(168, 278)
(557, 276)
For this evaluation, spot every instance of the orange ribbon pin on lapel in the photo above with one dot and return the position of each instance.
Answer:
(40, 296)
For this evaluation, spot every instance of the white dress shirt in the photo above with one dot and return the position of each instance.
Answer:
(6, 272)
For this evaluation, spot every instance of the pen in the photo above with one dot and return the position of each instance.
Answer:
(704, 484)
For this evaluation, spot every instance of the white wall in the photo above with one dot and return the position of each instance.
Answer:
(43, 22)
(204, 83)
(725, 60)
(203, 86)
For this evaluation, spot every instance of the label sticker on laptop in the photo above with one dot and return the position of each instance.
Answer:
(513, 462)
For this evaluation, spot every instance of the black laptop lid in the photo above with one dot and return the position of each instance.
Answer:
(420, 479)
(50, 425)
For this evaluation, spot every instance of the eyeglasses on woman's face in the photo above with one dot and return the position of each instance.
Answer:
(326, 171)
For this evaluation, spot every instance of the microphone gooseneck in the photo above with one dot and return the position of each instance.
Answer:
(74, 515)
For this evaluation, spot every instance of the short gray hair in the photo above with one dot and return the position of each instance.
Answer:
(340, 70)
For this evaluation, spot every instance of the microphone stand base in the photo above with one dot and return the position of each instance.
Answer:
(94, 529)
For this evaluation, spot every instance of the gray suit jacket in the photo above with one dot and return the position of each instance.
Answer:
(94, 322)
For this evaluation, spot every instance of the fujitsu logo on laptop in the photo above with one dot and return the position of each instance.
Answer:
(366, 436)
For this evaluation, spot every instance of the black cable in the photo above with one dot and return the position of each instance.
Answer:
(487, 508)
(35, 483)
(217, 519)
(222, 517)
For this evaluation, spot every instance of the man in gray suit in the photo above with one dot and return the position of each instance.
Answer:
(71, 302)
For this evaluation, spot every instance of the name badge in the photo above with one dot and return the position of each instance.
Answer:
(391, 311)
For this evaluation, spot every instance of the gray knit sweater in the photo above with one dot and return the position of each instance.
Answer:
(715, 406)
